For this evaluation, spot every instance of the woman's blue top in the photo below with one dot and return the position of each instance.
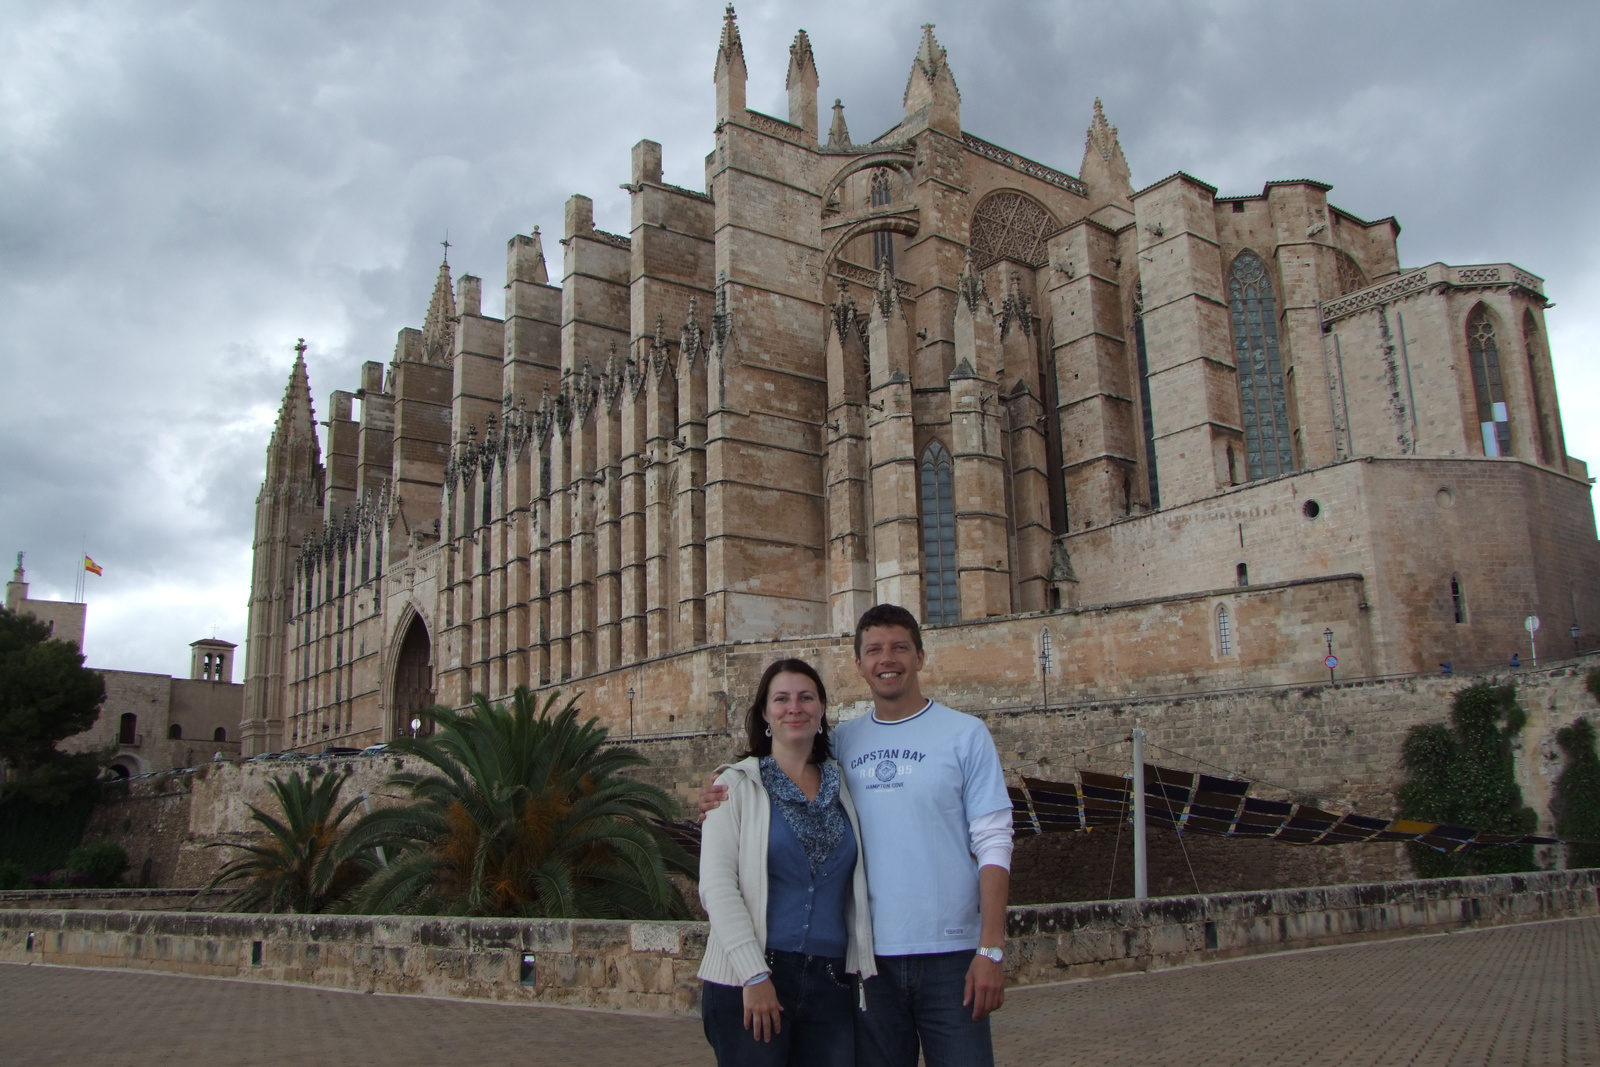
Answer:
(808, 884)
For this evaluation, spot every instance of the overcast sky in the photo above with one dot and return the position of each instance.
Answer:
(185, 188)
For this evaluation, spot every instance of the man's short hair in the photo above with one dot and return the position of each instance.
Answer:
(888, 615)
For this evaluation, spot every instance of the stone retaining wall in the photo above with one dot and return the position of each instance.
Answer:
(115, 899)
(650, 967)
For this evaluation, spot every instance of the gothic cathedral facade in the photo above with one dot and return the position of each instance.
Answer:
(1160, 439)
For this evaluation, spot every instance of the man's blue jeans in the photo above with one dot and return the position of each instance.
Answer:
(915, 1001)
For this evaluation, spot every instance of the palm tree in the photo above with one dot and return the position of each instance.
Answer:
(523, 812)
(304, 863)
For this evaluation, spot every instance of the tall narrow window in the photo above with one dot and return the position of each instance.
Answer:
(939, 534)
(488, 496)
(1494, 418)
(1147, 416)
(1242, 574)
(1263, 396)
(883, 241)
(1545, 439)
(1458, 600)
(1224, 631)
(128, 729)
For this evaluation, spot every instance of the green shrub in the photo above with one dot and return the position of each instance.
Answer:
(38, 836)
(100, 865)
(11, 875)
(1463, 774)
(1576, 796)
(1594, 683)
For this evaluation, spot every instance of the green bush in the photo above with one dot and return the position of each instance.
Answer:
(1463, 774)
(38, 836)
(100, 865)
(1576, 799)
(1594, 683)
(11, 875)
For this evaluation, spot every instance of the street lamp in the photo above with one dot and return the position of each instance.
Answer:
(416, 724)
(1045, 665)
(1574, 632)
(630, 711)
(1332, 661)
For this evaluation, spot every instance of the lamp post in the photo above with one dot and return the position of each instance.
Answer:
(630, 711)
(1332, 661)
(1045, 666)
(1573, 631)
(416, 725)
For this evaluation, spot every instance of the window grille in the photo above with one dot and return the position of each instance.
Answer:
(1494, 418)
(939, 534)
(1263, 396)
(1224, 631)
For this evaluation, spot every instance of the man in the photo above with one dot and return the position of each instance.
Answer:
(936, 833)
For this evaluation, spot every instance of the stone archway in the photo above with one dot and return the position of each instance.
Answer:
(413, 680)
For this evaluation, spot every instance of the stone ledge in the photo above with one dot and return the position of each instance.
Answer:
(650, 966)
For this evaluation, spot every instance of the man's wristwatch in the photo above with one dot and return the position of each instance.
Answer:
(998, 955)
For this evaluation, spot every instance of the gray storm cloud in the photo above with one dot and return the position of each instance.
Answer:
(188, 187)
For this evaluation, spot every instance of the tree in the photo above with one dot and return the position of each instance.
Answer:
(1577, 793)
(528, 814)
(308, 861)
(46, 695)
(1463, 774)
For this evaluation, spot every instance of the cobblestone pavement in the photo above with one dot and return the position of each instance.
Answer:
(1514, 995)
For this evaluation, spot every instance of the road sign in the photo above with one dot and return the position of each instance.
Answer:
(1331, 662)
(1531, 624)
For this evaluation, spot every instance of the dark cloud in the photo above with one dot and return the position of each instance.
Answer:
(191, 186)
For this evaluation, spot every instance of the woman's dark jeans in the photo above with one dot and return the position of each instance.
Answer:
(819, 1026)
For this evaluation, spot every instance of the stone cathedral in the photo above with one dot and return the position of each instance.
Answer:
(1103, 441)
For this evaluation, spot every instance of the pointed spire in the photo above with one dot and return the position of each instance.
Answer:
(885, 292)
(730, 45)
(932, 86)
(295, 416)
(969, 283)
(801, 59)
(801, 83)
(838, 133)
(541, 273)
(438, 326)
(1105, 169)
(293, 454)
(730, 71)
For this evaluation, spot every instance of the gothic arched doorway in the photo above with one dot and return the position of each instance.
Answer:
(413, 680)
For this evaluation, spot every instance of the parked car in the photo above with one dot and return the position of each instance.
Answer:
(375, 750)
(341, 750)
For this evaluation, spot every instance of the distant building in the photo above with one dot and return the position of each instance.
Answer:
(1204, 440)
(64, 618)
(153, 722)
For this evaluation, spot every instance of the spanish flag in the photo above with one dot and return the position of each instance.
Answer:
(92, 567)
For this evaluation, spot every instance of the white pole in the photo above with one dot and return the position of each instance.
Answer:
(1141, 860)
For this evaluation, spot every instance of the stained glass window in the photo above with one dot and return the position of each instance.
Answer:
(1494, 418)
(1009, 225)
(1263, 396)
(939, 534)
(1147, 415)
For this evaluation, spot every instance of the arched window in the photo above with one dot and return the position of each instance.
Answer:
(1458, 599)
(1263, 397)
(1242, 574)
(1146, 413)
(1483, 352)
(1548, 447)
(883, 241)
(219, 734)
(175, 732)
(1224, 631)
(128, 729)
(939, 534)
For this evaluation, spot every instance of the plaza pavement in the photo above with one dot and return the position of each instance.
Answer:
(1513, 995)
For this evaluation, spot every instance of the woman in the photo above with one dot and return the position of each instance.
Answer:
(782, 880)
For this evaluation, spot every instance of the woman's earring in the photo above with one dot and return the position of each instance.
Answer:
(769, 731)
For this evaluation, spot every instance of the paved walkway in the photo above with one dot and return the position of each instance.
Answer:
(1515, 995)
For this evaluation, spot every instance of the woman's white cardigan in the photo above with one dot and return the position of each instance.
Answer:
(733, 882)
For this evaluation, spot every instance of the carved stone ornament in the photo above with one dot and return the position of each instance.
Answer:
(1009, 225)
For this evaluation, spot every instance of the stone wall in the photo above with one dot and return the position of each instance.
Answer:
(650, 967)
(1337, 746)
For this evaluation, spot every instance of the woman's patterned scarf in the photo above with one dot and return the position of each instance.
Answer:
(820, 823)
